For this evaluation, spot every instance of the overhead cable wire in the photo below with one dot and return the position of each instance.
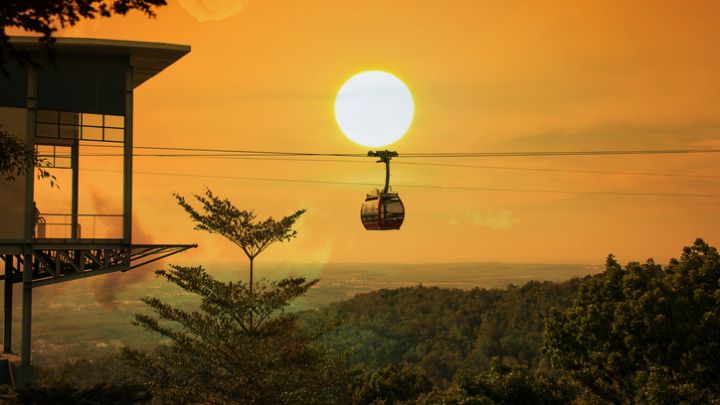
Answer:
(438, 155)
(281, 159)
(532, 169)
(561, 153)
(421, 186)
(243, 152)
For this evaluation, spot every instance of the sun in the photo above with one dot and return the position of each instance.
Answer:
(374, 108)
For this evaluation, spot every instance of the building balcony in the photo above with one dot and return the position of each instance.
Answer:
(89, 226)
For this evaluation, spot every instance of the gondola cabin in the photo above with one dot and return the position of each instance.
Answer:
(382, 211)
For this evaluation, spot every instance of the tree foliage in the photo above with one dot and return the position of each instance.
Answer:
(389, 385)
(44, 16)
(438, 331)
(62, 386)
(17, 155)
(505, 384)
(239, 348)
(222, 217)
(643, 334)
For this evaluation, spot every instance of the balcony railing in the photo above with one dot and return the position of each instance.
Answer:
(89, 226)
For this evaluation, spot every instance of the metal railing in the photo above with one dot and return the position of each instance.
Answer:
(89, 226)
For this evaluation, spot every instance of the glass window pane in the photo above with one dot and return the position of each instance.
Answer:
(47, 153)
(47, 130)
(47, 116)
(62, 162)
(45, 150)
(69, 118)
(368, 213)
(115, 121)
(63, 157)
(92, 133)
(69, 132)
(114, 135)
(392, 205)
(392, 210)
(95, 120)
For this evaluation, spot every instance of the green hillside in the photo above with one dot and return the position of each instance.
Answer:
(439, 330)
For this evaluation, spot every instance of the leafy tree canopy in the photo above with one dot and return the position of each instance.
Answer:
(438, 331)
(61, 386)
(389, 385)
(239, 348)
(222, 217)
(506, 384)
(643, 334)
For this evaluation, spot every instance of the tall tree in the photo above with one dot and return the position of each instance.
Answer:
(643, 334)
(44, 16)
(222, 217)
(239, 348)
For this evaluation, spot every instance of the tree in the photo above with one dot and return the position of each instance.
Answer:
(240, 347)
(508, 384)
(62, 387)
(643, 334)
(17, 155)
(43, 16)
(236, 349)
(439, 330)
(389, 385)
(222, 217)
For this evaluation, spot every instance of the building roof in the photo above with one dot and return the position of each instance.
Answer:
(147, 58)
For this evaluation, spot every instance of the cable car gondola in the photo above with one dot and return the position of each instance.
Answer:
(383, 210)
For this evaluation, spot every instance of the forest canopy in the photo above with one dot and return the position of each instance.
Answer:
(635, 334)
(643, 334)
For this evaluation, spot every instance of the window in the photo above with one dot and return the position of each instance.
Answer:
(368, 213)
(57, 156)
(392, 210)
(70, 125)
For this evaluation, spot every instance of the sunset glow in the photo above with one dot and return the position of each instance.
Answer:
(484, 77)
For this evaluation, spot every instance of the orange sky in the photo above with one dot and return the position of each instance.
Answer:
(486, 76)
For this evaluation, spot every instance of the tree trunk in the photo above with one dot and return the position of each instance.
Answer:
(251, 274)
(251, 293)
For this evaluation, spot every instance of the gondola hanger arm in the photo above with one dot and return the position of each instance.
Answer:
(385, 156)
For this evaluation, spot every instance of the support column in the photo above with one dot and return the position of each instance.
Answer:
(30, 173)
(24, 373)
(75, 166)
(27, 268)
(7, 322)
(26, 309)
(128, 157)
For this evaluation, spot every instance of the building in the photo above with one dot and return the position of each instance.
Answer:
(81, 98)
